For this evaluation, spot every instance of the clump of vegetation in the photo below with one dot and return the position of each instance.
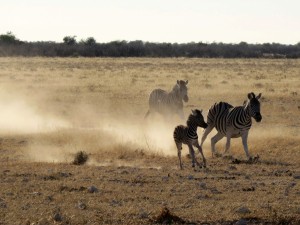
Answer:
(81, 158)
(166, 217)
(89, 47)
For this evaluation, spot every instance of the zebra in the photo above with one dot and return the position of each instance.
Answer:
(232, 122)
(164, 103)
(188, 135)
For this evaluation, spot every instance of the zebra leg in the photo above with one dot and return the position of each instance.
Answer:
(245, 144)
(206, 132)
(179, 148)
(227, 144)
(192, 153)
(214, 140)
(201, 152)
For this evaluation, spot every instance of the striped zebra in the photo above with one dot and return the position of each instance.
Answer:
(188, 135)
(165, 103)
(232, 122)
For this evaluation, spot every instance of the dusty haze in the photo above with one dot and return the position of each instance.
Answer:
(99, 105)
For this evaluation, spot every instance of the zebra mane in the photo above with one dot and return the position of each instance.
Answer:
(189, 119)
(175, 88)
(246, 106)
(246, 103)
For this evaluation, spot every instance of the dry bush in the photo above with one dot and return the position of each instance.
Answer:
(166, 217)
(80, 158)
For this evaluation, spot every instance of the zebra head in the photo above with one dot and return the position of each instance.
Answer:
(254, 106)
(198, 118)
(182, 88)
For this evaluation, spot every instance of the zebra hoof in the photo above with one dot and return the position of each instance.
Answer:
(253, 159)
(202, 166)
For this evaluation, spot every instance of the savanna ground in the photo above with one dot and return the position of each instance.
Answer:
(51, 108)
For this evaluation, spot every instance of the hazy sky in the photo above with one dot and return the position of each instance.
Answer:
(228, 21)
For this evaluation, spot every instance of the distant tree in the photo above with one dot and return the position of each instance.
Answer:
(8, 38)
(135, 48)
(243, 43)
(70, 40)
(90, 41)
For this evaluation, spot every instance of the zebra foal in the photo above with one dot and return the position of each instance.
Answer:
(164, 102)
(188, 135)
(232, 122)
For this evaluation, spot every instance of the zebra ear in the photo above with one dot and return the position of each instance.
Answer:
(251, 95)
(201, 110)
(178, 82)
(193, 112)
(258, 96)
(186, 82)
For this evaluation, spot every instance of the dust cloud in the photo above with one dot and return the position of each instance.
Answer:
(97, 129)
(56, 139)
(110, 138)
(18, 116)
(154, 135)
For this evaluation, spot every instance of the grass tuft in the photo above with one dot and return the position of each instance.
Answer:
(81, 158)
(166, 217)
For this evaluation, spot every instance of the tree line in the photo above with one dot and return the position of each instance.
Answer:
(70, 47)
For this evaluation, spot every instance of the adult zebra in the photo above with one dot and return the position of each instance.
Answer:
(232, 122)
(165, 103)
(188, 135)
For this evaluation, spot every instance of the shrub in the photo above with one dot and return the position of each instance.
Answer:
(80, 158)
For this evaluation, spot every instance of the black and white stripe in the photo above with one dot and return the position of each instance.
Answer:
(232, 122)
(188, 135)
(165, 103)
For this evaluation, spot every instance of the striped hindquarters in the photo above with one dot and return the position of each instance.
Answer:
(180, 134)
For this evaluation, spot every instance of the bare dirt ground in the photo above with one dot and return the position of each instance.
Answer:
(51, 108)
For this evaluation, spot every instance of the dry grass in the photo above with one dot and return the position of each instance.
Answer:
(52, 108)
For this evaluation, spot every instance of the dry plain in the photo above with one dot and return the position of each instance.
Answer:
(52, 108)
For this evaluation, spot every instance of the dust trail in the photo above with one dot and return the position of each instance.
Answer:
(47, 153)
(156, 137)
(18, 116)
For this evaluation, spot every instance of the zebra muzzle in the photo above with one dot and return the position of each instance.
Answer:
(258, 117)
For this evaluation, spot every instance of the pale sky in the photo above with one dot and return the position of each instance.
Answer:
(181, 21)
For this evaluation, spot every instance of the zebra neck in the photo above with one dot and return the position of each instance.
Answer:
(246, 114)
(176, 94)
(192, 127)
(192, 132)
